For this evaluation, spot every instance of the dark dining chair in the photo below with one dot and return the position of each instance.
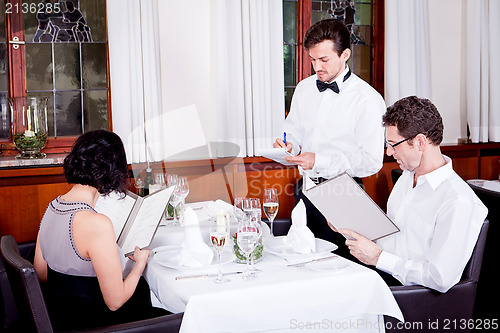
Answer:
(8, 310)
(31, 307)
(488, 288)
(431, 311)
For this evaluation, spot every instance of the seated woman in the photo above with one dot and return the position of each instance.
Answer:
(76, 251)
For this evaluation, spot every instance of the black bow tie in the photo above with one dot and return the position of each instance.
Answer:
(322, 86)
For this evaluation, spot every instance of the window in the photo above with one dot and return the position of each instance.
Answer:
(363, 17)
(64, 58)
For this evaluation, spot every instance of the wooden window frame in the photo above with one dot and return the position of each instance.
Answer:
(304, 10)
(17, 85)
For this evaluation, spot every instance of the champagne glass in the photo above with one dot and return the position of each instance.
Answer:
(271, 205)
(219, 235)
(247, 239)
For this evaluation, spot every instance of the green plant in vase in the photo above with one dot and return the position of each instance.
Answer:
(256, 254)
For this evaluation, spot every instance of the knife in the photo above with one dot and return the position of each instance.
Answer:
(300, 264)
(202, 276)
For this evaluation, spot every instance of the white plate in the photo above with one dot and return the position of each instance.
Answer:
(280, 247)
(167, 256)
(328, 265)
(476, 182)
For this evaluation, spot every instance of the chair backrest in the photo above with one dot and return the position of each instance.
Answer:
(473, 268)
(25, 287)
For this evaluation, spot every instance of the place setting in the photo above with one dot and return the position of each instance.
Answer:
(299, 248)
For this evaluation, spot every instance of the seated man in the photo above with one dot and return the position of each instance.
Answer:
(438, 213)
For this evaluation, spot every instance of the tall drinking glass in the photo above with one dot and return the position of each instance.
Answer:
(271, 205)
(219, 236)
(247, 239)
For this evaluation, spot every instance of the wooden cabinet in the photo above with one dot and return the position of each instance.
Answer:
(26, 191)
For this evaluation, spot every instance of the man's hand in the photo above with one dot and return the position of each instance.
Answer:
(361, 247)
(279, 143)
(305, 160)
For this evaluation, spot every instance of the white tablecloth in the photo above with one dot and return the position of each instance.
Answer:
(281, 298)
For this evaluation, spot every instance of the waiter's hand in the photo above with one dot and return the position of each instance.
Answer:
(279, 143)
(305, 160)
(361, 247)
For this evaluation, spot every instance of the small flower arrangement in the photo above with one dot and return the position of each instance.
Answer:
(256, 254)
(30, 140)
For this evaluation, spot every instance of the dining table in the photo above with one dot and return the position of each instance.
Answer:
(290, 292)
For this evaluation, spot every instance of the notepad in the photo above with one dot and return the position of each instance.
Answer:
(135, 219)
(347, 206)
(278, 155)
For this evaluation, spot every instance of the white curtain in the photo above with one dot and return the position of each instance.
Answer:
(250, 74)
(247, 48)
(407, 54)
(135, 76)
(482, 52)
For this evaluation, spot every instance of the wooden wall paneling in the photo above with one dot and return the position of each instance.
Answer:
(489, 167)
(379, 186)
(270, 174)
(23, 207)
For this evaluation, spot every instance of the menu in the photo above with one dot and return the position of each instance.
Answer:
(347, 206)
(135, 219)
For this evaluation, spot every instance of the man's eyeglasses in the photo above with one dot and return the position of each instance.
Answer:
(393, 146)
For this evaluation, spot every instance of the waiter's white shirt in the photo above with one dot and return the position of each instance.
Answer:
(440, 219)
(344, 130)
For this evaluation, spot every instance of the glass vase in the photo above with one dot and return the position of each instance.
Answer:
(29, 115)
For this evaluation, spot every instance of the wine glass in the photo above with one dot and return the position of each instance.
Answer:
(238, 208)
(219, 235)
(175, 199)
(181, 191)
(247, 205)
(247, 239)
(171, 179)
(271, 205)
(255, 216)
(159, 179)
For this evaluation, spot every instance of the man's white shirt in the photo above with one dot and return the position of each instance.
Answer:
(440, 219)
(344, 130)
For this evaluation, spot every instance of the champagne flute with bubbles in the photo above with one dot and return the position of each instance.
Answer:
(219, 236)
(271, 205)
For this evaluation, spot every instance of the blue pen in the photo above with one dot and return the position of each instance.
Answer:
(284, 138)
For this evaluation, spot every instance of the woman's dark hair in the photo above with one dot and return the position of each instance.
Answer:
(412, 116)
(98, 159)
(332, 29)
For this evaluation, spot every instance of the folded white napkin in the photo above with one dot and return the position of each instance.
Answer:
(300, 237)
(194, 251)
(219, 206)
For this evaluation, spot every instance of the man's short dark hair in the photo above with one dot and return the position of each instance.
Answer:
(412, 116)
(98, 159)
(329, 29)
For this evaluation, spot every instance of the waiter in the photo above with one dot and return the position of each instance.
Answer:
(334, 122)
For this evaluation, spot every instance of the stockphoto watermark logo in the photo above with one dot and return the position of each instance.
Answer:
(353, 324)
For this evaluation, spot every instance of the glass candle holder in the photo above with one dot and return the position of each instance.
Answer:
(29, 115)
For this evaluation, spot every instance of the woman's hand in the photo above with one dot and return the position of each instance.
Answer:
(140, 256)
